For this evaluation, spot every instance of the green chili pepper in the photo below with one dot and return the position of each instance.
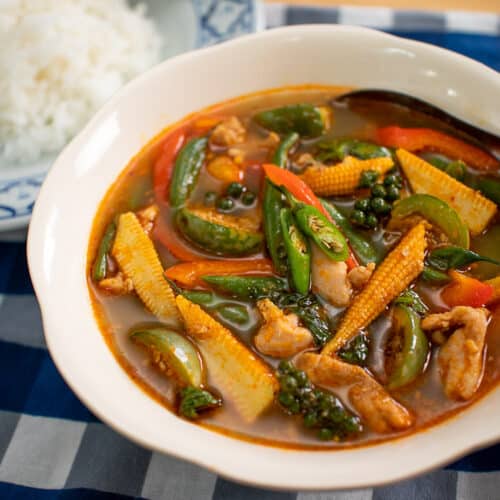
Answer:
(198, 296)
(455, 258)
(194, 400)
(434, 276)
(235, 313)
(246, 287)
(281, 154)
(298, 252)
(211, 235)
(271, 206)
(456, 169)
(175, 351)
(305, 119)
(409, 347)
(490, 188)
(187, 169)
(100, 267)
(338, 149)
(438, 213)
(362, 248)
(315, 225)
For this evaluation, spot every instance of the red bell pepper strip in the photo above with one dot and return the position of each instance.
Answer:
(189, 273)
(302, 192)
(426, 139)
(164, 165)
(466, 291)
(169, 238)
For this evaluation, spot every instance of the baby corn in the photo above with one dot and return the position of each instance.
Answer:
(397, 271)
(241, 376)
(137, 258)
(474, 209)
(343, 178)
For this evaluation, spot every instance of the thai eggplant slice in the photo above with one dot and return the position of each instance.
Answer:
(172, 353)
(218, 233)
(437, 212)
(304, 119)
(137, 258)
(408, 349)
(236, 371)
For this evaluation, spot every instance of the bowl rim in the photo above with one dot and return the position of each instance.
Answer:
(227, 470)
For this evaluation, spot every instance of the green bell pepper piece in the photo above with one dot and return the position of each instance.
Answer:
(304, 119)
(412, 347)
(317, 227)
(298, 252)
(280, 157)
(216, 237)
(100, 266)
(437, 212)
(187, 169)
(177, 352)
(246, 287)
(362, 248)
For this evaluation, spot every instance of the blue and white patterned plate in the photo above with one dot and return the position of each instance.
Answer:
(186, 25)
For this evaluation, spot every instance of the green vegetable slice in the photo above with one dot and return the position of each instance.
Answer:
(175, 351)
(438, 213)
(217, 233)
(304, 119)
(186, 170)
(356, 351)
(246, 287)
(338, 149)
(100, 266)
(194, 400)
(409, 347)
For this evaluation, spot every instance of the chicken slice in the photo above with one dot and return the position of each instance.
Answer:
(280, 336)
(461, 356)
(360, 275)
(117, 284)
(228, 133)
(374, 404)
(147, 217)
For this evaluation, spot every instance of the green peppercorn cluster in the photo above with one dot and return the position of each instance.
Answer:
(369, 211)
(320, 409)
(236, 193)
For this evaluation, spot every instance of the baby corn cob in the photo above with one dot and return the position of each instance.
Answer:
(474, 209)
(137, 258)
(342, 178)
(396, 272)
(241, 376)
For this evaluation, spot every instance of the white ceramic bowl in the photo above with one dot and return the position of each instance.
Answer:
(63, 215)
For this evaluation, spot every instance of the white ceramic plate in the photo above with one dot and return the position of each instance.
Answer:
(186, 24)
(62, 220)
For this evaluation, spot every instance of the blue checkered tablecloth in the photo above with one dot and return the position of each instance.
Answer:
(51, 446)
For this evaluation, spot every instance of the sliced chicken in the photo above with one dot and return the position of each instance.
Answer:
(228, 133)
(461, 356)
(360, 275)
(117, 284)
(147, 217)
(280, 336)
(373, 403)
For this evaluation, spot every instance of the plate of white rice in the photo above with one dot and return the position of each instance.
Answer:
(60, 60)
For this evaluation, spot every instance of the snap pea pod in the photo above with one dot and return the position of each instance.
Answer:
(315, 225)
(409, 347)
(272, 205)
(281, 154)
(234, 313)
(362, 248)
(445, 258)
(298, 252)
(100, 267)
(246, 287)
(187, 169)
(304, 119)
(338, 149)
(210, 233)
